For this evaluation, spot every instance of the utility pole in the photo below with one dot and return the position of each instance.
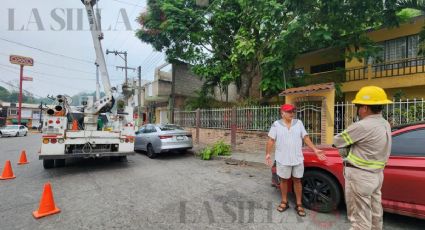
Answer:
(173, 90)
(126, 90)
(139, 92)
(41, 113)
(119, 53)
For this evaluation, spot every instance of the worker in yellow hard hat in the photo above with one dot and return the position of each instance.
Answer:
(367, 144)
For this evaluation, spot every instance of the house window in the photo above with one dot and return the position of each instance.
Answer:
(13, 112)
(327, 67)
(398, 49)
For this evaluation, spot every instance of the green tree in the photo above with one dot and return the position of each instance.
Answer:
(4, 94)
(237, 40)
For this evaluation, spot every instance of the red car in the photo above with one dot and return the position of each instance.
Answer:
(404, 176)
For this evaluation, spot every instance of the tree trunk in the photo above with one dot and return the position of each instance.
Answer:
(247, 75)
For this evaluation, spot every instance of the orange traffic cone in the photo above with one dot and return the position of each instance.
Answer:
(74, 125)
(47, 204)
(7, 172)
(23, 158)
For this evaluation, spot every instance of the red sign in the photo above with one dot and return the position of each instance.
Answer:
(21, 60)
(27, 78)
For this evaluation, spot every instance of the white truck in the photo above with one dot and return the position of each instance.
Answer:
(74, 134)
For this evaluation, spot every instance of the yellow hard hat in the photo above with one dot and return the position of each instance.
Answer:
(371, 95)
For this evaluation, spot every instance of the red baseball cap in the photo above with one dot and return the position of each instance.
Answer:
(287, 108)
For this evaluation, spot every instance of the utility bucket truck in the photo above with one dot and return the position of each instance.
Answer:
(97, 129)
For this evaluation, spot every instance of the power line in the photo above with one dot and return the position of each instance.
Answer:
(181, 35)
(54, 75)
(16, 87)
(44, 80)
(59, 67)
(45, 51)
(131, 15)
(48, 52)
(129, 3)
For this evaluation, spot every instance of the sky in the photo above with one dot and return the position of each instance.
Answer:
(64, 54)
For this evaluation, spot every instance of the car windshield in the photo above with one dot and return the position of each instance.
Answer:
(11, 127)
(170, 127)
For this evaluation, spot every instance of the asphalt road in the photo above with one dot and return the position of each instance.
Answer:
(172, 192)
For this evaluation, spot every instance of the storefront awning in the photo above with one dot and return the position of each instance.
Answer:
(15, 120)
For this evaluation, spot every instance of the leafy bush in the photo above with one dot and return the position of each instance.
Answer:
(217, 149)
(206, 153)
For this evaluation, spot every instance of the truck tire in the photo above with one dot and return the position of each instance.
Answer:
(60, 162)
(48, 164)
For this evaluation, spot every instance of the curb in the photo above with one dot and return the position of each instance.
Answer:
(232, 161)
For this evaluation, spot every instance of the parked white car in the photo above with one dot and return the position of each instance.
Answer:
(13, 131)
(155, 139)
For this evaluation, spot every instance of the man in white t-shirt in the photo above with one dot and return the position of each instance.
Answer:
(288, 134)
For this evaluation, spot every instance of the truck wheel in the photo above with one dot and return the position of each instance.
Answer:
(60, 162)
(150, 152)
(48, 164)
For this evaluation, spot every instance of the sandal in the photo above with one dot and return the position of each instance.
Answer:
(283, 206)
(300, 210)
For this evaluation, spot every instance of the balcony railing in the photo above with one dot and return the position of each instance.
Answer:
(318, 78)
(399, 67)
(380, 70)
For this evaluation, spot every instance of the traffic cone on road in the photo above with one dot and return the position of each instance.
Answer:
(74, 125)
(7, 172)
(23, 158)
(47, 203)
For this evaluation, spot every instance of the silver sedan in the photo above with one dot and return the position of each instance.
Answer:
(13, 131)
(155, 139)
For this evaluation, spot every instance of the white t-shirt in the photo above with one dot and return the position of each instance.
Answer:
(289, 142)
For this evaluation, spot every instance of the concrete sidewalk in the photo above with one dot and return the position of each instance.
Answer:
(237, 157)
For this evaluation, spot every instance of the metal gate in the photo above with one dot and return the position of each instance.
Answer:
(310, 113)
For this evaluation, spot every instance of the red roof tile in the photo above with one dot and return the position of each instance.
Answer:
(308, 89)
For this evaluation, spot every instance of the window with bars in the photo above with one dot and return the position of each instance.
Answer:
(395, 50)
(13, 112)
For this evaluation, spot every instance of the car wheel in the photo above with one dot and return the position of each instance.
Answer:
(48, 164)
(17, 134)
(320, 191)
(150, 152)
(60, 162)
(182, 151)
(25, 134)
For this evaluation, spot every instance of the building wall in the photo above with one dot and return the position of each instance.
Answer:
(318, 57)
(186, 82)
(384, 34)
(246, 141)
(417, 92)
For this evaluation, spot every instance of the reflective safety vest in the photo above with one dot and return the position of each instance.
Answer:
(369, 143)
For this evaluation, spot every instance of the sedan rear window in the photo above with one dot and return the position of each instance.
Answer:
(170, 127)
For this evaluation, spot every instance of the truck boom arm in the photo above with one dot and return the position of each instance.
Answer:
(105, 103)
